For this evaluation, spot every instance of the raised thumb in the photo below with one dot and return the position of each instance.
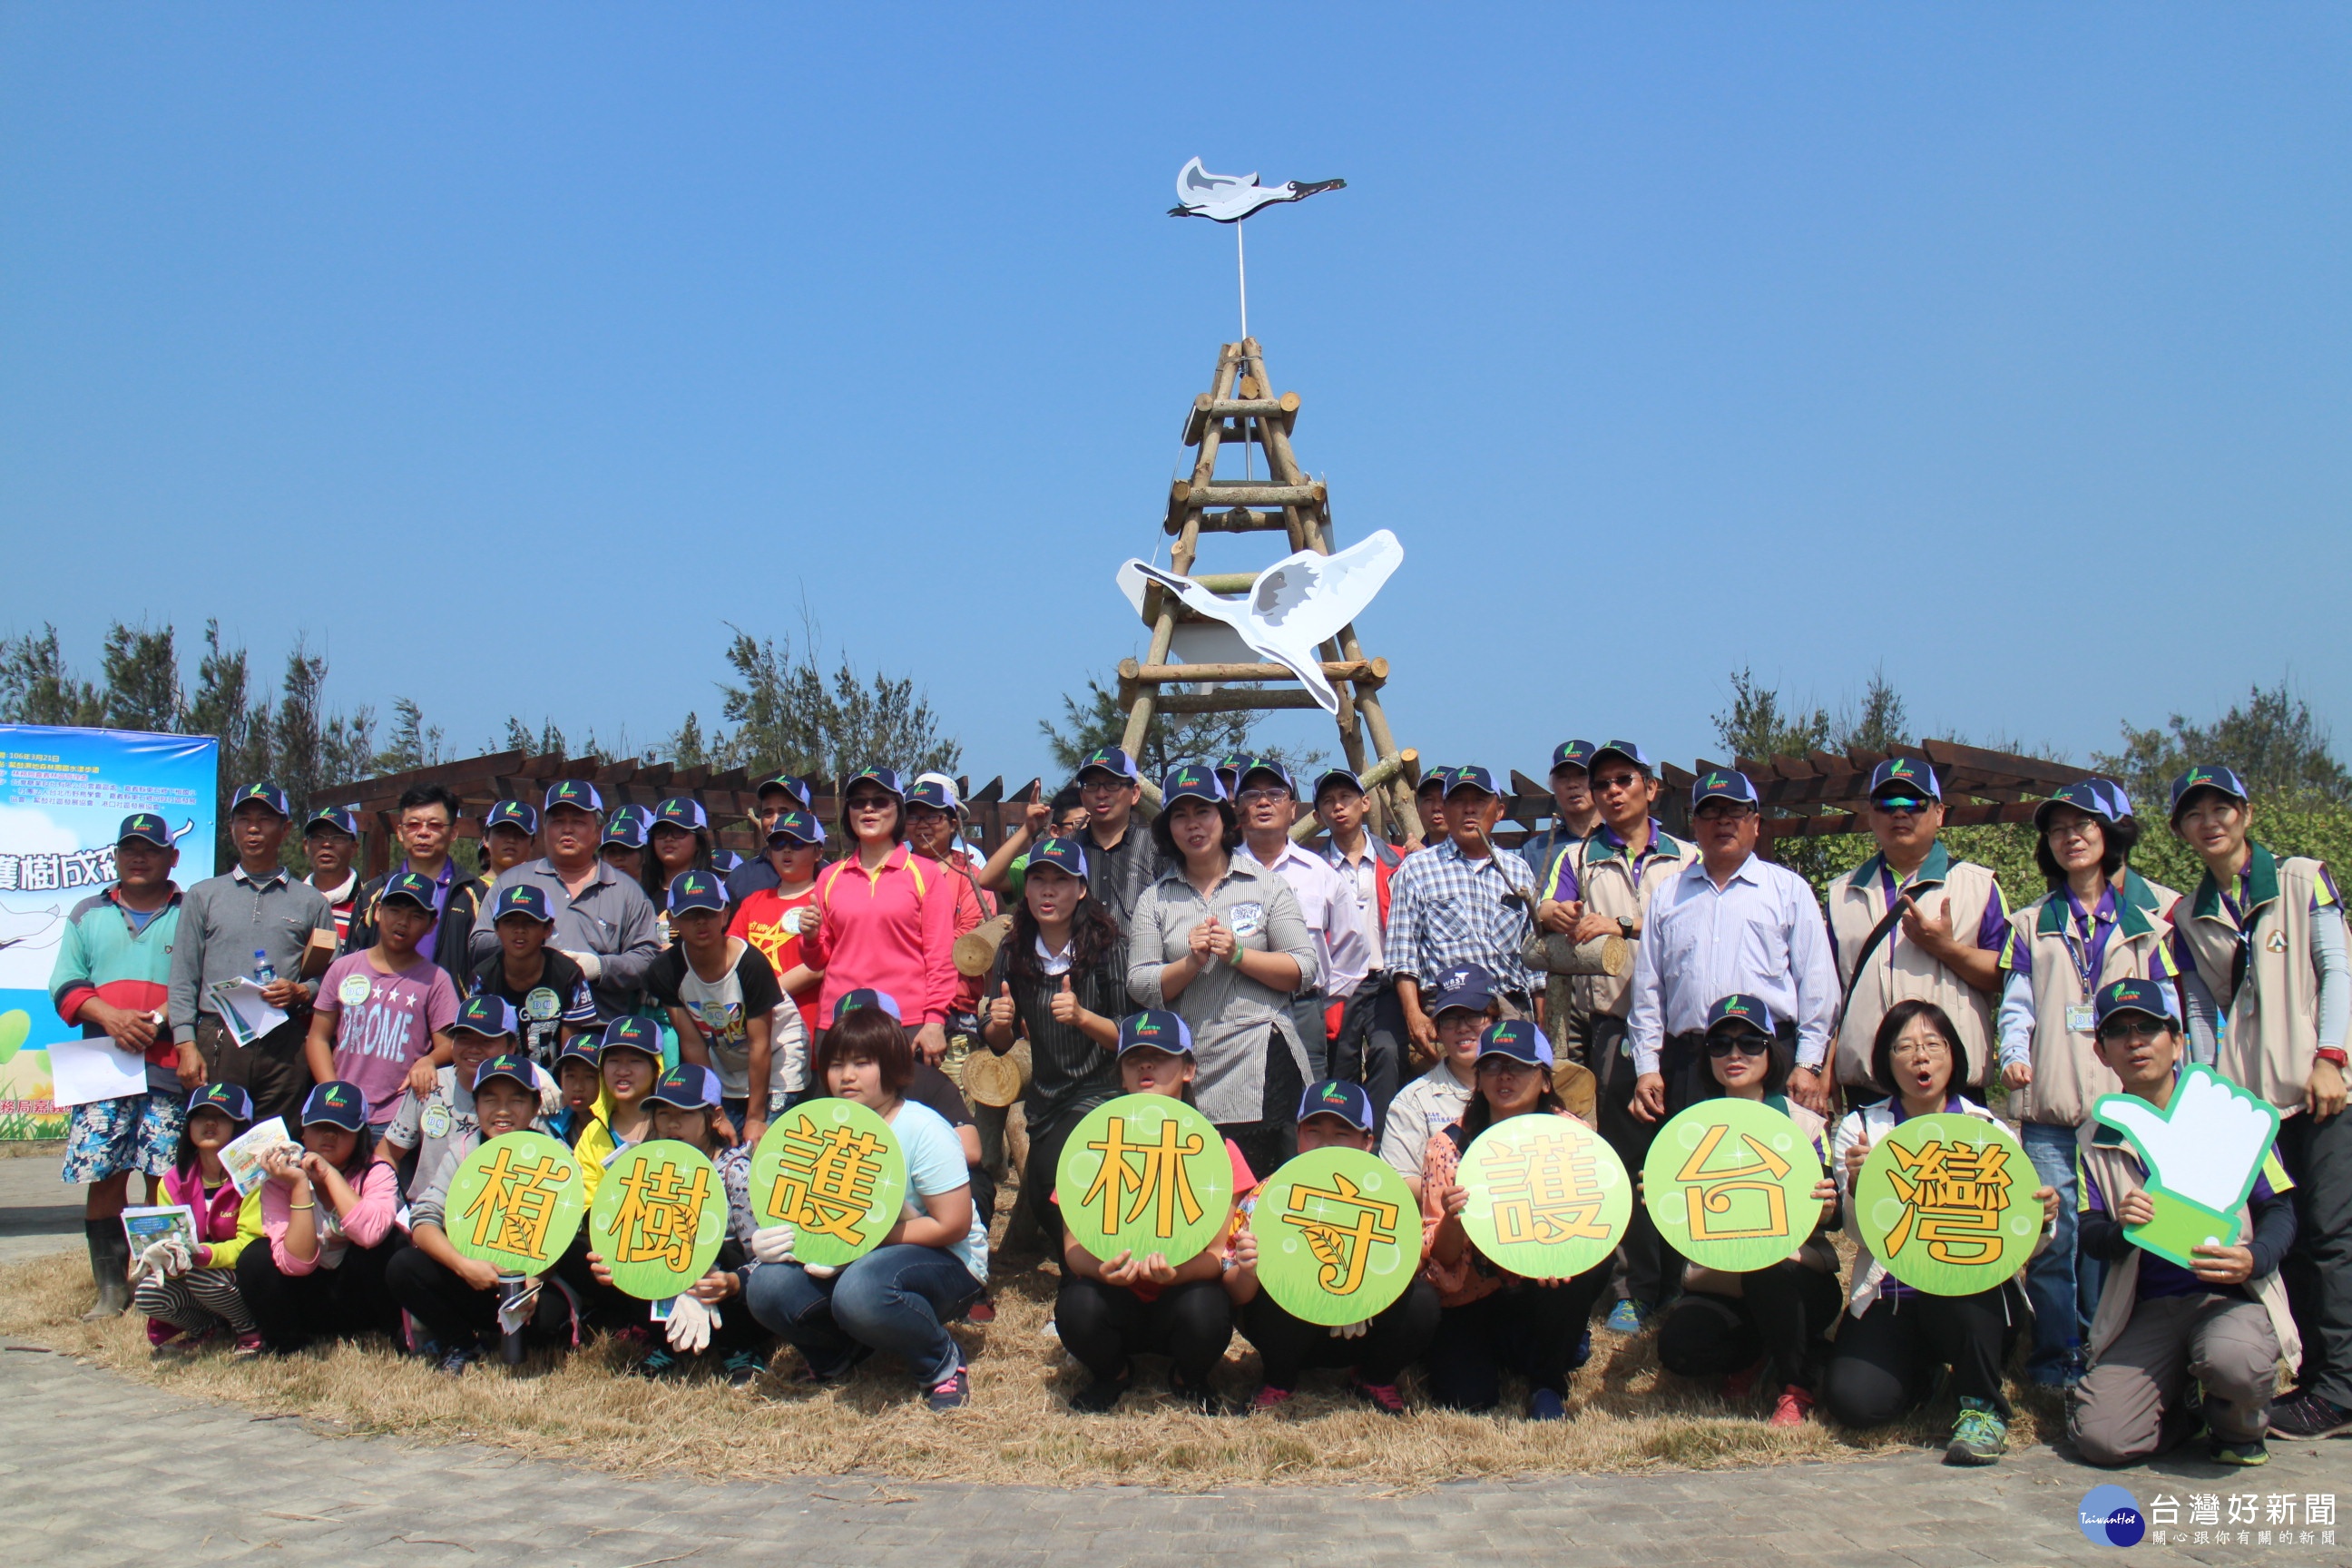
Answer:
(1065, 986)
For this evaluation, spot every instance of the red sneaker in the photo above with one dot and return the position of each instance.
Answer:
(1794, 1405)
(1738, 1385)
(1382, 1396)
(1268, 1398)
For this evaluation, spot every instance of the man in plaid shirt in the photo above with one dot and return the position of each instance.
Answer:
(1460, 902)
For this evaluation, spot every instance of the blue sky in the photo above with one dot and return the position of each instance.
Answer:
(511, 353)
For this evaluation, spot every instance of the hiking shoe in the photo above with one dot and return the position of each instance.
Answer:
(981, 1312)
(2245, 1452)
(1102, 1396)
(1197, 1396)
(456, 1359)
(1628, 1316)
(1268, 1398)
(1547, 1405)
(247, 1346)
(1791, 1408)
(2309, 1414)
(1583, 1352)
(1738, 1386)
(1978, 1438)
(662, 1363)
(741, 1369)
(1382, 1396)
(953, 1393)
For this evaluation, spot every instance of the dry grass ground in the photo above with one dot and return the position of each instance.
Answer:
(32, 1149)
(1018, 1427)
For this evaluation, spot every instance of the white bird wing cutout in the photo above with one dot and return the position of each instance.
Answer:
(1195, 186)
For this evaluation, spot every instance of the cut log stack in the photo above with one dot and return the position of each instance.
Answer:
(1240, 409)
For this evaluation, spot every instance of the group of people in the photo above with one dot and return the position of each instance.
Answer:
(611, 978)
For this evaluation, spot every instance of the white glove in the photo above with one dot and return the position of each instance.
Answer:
(2205, 1143)
(591, 964)
(689, 1325)
(820, 1270)
(1353, 1330)
(166, 1256)
(774, 1243)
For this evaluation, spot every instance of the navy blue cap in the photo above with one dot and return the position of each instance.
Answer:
(679, 812)
(2137, 996)
(2208, 776)
(1233, 763)
(1063, 854)
(578, 1049)
(1111, 760)
(867, 997)
(490, 1017)
(1470, 777)
(1466, 985)
(1337, 1097)
(1571, 755)
(696, 889)
(1339, 777)
(1626, 749)
(795, 788)
(1741, 1007)
(338, 817)
(225, 1098)
(520, 899)
(1191, 781)
(2102, 798)
(336, 1104)
(1268, 766)
(796, 824)
(724, 862)
(1155, 1029)
(938, 793)
(409, 888)
(1433, 778)
(631, 1032)
(511, 1065)
(1724, 783)
(627, 827)
(888, 778)
(685, 1086)
(146, 826)
(1905, 776)
(577, 793)
(267, 794)
(513, 814)
(1516, 1038)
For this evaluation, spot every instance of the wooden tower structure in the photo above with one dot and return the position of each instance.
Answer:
(1240, 409)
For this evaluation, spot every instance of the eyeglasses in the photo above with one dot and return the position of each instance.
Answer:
(2080, 827)
(870, 802)
(1262, 797)
(1916, 1048)
(1719, 811)
(1615, 782)
(1746, 1044)
(1900, 807)
(2133, 1029)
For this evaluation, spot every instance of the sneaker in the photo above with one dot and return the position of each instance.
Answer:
(1978, 1438)
(1791, 1408)
(1547, 1405)
(1382, 1396)
(741, 1369)
(456, 1359)
(662, 1363)
(1738, 1386)
(1102, 1396)
(1583, 1352)
(2244, 1453)
(811, 1375)
(2309, 1414)
(953, 1394)
(1628, 1316)
(981, 1312)
(1268, 1398)
(248, 1345)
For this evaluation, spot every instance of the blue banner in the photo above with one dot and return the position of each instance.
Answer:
(63, 794)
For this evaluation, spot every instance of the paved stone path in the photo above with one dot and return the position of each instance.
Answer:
(97, 1471)
(39, 1213)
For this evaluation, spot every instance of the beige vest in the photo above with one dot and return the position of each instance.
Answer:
(2116, 1169)
(1604, 874)
(2067, 1074)
(2272, 1024)
(1899, 970)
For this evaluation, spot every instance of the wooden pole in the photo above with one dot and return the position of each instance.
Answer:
(1373, 777)
(1180, 561)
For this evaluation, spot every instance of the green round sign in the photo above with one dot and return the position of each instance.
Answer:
(1729, 1184)
(1339, 1236)
(1946, 1202)
(659, 1215)
(832, 1170)
(1144, 1173)
(516, 1201)
(1548, 1198)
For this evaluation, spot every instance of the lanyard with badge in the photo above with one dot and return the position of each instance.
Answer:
(2088, 957)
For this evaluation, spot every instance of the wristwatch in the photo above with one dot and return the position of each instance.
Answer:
(1625, 927)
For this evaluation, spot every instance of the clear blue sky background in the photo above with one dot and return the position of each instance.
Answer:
(511, 352)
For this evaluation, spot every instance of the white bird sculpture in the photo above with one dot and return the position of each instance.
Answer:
(1229, 198)
(1293, 607)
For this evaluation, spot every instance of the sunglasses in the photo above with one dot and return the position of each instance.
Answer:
(2136, 1029)
(1747, 1044)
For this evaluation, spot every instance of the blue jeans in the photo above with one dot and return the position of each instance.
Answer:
(894, 1298)
(2062, 1283)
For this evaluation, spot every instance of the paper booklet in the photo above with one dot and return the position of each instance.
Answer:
(146, 1227)
(243, 1012)
(242, 1154)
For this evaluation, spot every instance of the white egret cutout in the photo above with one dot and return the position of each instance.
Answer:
(1293, 607)
(1229, 198)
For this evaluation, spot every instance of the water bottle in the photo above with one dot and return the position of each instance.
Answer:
(263, 972)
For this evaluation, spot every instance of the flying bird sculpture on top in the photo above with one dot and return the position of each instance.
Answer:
(1293, 607)
(1229, 198)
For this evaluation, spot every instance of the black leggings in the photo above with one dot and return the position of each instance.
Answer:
(292, 1310)
(1268, 1143)
(1885, 1362)
(1397, 1338)
(1105, 1325)
(1528, 1328)
(1783, 1313)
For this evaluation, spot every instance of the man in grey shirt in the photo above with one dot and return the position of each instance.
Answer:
(223, 922)
(1122, 857)
(603, 921)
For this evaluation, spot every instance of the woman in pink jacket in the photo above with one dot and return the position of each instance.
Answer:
(886, 918)
(328, 1214)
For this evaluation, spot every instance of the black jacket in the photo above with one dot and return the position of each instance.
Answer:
(450, 938)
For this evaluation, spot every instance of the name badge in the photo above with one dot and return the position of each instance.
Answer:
(353, 990)
(2079, 1018)
(435, 1121)
(1247, 919)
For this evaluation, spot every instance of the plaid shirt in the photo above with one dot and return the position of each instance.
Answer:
(1446, 910)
